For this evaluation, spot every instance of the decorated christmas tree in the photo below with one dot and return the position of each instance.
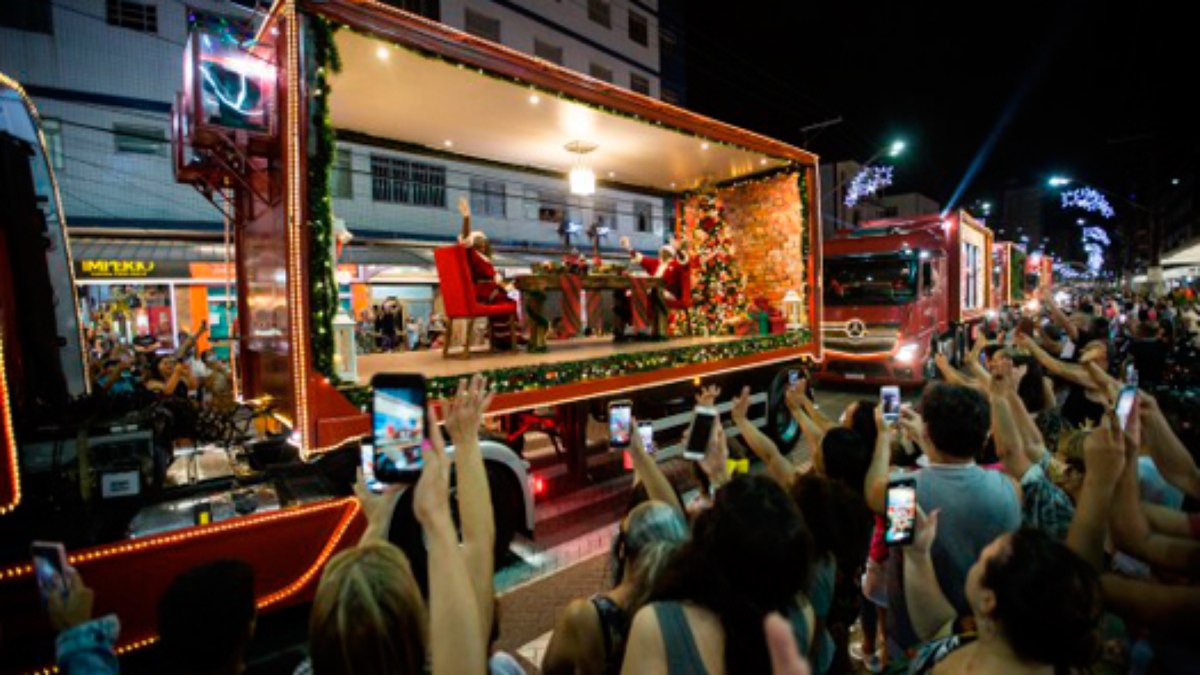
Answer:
(718, 284)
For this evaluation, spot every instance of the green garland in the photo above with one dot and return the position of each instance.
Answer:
(323, 291)
(542, 376)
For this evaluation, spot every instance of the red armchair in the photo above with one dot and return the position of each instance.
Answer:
(458, 296)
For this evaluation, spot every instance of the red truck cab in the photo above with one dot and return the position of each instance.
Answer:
(898, 291)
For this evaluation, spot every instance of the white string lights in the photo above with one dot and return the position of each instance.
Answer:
(868, 181)
(1088, 199)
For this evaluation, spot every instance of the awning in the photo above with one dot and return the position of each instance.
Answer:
(132, 259)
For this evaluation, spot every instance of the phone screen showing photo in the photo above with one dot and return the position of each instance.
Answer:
(1125, 405)
(889, 399)
(793, 377)
(646, 431)
(901, 513)
(399, 427)
(49, 567)
(619, 425)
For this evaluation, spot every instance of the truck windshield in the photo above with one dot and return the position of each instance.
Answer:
(879, 280)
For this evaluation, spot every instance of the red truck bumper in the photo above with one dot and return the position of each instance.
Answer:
(883, 370)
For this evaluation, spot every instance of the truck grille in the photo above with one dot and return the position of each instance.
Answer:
(856, 337)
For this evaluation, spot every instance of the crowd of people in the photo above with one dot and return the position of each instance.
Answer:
(144, 366)
(387, 328)
(1051, 534)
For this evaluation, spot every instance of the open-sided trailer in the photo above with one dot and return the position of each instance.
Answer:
(264, 160)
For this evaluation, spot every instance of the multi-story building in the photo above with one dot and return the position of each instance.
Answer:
(837, 218)
(1022, 216)
(104, 74)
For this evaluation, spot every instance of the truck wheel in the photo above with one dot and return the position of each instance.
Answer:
(782, 428)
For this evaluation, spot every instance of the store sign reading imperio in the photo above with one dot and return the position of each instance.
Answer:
(117, 268)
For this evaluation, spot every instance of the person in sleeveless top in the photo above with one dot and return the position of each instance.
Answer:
(589, 636)
(750, 554)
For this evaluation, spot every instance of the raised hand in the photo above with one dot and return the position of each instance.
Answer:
(464, 412)
(708, 396)
(1104, 451)
(464, 207)
(910, 422)
(741, 406)
(716, 459)
(72, 606)
(926, 531)
(625, 243)
(431, 496)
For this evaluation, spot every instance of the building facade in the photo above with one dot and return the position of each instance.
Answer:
(837, 218)
(104, 73)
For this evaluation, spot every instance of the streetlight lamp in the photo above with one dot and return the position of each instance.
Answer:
(896, 148)
(1058, 181)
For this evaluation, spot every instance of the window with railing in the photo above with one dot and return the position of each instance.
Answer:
(643, 217)
(639, 29)
(545, 50)
(639, 84)
(482, 25)
(341, 175)
(138, 16)
(401, 181)
(600, 72)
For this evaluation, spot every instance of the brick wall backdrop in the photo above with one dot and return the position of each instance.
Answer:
(765, 223)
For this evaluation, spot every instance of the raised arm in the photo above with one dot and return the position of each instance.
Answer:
(1058, 316)
(1104, 455)
(812, 432)
(778, 466)
(952, 374)
(658, 487)
(875, 483)
(1009, 445)
(1131, 530)
(464, 208)
(928, 609)
(464, 416)
(1052, 364)
(456, 639)
(1170, 456)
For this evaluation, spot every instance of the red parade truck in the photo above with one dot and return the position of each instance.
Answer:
(1008, 274)
(134, 512)
(899, 291)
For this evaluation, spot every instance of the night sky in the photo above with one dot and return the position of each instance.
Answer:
(1103, 95)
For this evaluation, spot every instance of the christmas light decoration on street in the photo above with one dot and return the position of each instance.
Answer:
(1088, 199)
(868, 181)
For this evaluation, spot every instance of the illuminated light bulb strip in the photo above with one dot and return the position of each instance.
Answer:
(867, 182)
(10, 438)
(203, 531)
(340, 444)
(1088, 199)
(299, 342)
(318, 564)
(62, 217)
(273, 598)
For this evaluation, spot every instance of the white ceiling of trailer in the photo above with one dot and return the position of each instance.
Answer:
(394, 93)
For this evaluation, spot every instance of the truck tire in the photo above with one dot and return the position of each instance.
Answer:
(781, 427)
(405, 532)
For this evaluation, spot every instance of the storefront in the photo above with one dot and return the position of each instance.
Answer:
(138, 288)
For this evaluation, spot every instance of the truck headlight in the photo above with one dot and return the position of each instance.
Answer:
(908, 352)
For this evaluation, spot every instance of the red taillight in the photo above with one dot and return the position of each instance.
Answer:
(539, 485)
(627, 461)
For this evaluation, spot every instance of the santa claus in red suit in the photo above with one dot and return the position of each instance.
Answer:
(672, 265)
(490, 286)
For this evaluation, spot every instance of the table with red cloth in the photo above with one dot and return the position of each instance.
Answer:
(534, 288)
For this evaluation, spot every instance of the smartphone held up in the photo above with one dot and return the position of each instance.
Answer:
(620, 423)
(901, 512)
(399, 429)
(889, 403)
(704, 419)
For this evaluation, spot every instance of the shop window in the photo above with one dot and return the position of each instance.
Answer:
(547, 51)
(132, 15)
(400, 181)
(600, 11)
(482, 25)
(488, 198)
(138, 139)
(639, 30)
(600, 72)
(341, 175)
(639, 84)
(35, 16)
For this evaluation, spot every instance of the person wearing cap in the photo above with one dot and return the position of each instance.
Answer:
(490, 286)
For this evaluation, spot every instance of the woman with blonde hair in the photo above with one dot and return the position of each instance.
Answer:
(368, 617)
